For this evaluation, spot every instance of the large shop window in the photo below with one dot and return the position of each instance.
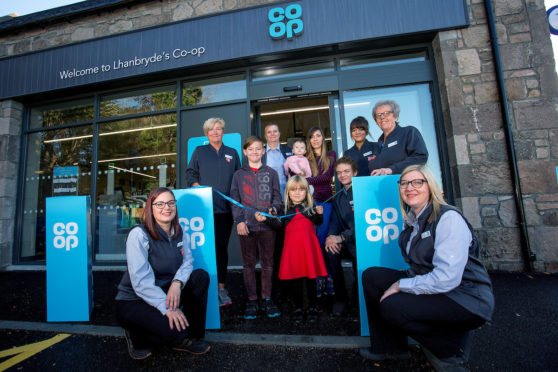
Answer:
(62, 113)
(214, 90)
(58, 164)
(142, 100)
(135, 156)
(416, 109)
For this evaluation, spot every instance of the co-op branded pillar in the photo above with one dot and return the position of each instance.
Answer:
(68, 258)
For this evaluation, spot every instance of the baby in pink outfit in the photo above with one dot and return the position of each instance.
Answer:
(298, 163)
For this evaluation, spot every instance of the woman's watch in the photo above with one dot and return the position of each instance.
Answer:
(179, 281)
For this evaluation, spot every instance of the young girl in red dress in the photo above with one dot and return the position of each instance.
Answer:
(302, 260)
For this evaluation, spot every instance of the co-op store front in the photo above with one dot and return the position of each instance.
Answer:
(111, 117)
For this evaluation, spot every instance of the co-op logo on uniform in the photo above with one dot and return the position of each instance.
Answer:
(193, 228)
(374, 232)
(285, 22)
(65, 235)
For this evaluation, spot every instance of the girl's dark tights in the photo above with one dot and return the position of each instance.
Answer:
(297, 289)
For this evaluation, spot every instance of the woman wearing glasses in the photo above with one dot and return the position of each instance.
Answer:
(445, 293)
(399, 146)
(161, 300)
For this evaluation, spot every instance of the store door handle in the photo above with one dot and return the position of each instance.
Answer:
(293, 88)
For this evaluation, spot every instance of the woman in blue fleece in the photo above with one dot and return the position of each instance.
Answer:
(399, 146)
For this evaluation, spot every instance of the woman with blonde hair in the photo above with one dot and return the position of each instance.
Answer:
(445, 293)
(214, 165)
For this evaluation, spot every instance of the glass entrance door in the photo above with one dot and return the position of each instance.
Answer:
(295, 117)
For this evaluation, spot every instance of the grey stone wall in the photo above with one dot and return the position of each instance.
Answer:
(479, 155)
(10, 139)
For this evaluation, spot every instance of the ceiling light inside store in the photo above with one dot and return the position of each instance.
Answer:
(289, 111)
(110, 133)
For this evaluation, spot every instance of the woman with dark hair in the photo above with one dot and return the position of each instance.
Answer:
(445, 293)
(398, 146)
(161, 299)
(322, 164)
(363, 150)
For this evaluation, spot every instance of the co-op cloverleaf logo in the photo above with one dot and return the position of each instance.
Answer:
(285, 22)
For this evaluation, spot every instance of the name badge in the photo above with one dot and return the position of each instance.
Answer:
(425, 235)
(392, 144)
(367, 153)
(228, 158)
(289, 154)
(180, 244)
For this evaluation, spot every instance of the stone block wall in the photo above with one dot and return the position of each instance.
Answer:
(479, 156)
(10, 139)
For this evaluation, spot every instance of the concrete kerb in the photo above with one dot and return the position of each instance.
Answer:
(334, 342)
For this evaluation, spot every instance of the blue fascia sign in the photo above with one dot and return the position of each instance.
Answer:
(552, 15)
(285, 22)
(258, 31)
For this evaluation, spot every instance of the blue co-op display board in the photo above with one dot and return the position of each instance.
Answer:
(195, 213)
(378, 223)
(68, 259)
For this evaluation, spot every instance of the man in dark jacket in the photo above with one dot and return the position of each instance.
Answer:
(340, 242)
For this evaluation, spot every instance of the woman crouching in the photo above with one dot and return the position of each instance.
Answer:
(445, 293)
(161, 299)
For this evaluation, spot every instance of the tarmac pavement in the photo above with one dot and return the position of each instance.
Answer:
(521, 337)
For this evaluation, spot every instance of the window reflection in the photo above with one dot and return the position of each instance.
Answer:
(135, 156)
(376, 61)
(213, 90)
(63, 113)
(58, 164)
(144, 100)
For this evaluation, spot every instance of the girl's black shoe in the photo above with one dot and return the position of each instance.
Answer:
(298, 315)
(312, 315)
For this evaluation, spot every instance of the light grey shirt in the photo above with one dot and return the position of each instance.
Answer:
(142, 276)
(275, 160)
(451, 252)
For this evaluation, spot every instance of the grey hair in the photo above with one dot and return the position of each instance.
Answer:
(210, 123)
(387, 102)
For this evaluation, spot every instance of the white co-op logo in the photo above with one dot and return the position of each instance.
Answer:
(374, 217)
(65, 235)
(193, 231)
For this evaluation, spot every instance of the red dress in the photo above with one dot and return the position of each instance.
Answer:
(302, 256)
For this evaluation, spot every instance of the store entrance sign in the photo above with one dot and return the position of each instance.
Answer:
(68, 259)
(378, 223)
(195, 214)
(285, 22)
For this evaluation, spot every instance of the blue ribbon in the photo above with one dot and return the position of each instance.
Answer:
(267, 214)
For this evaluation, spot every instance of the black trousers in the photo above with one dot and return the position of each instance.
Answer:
(148, 327)
(435, 321)
(337, 274)
(223, 223)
